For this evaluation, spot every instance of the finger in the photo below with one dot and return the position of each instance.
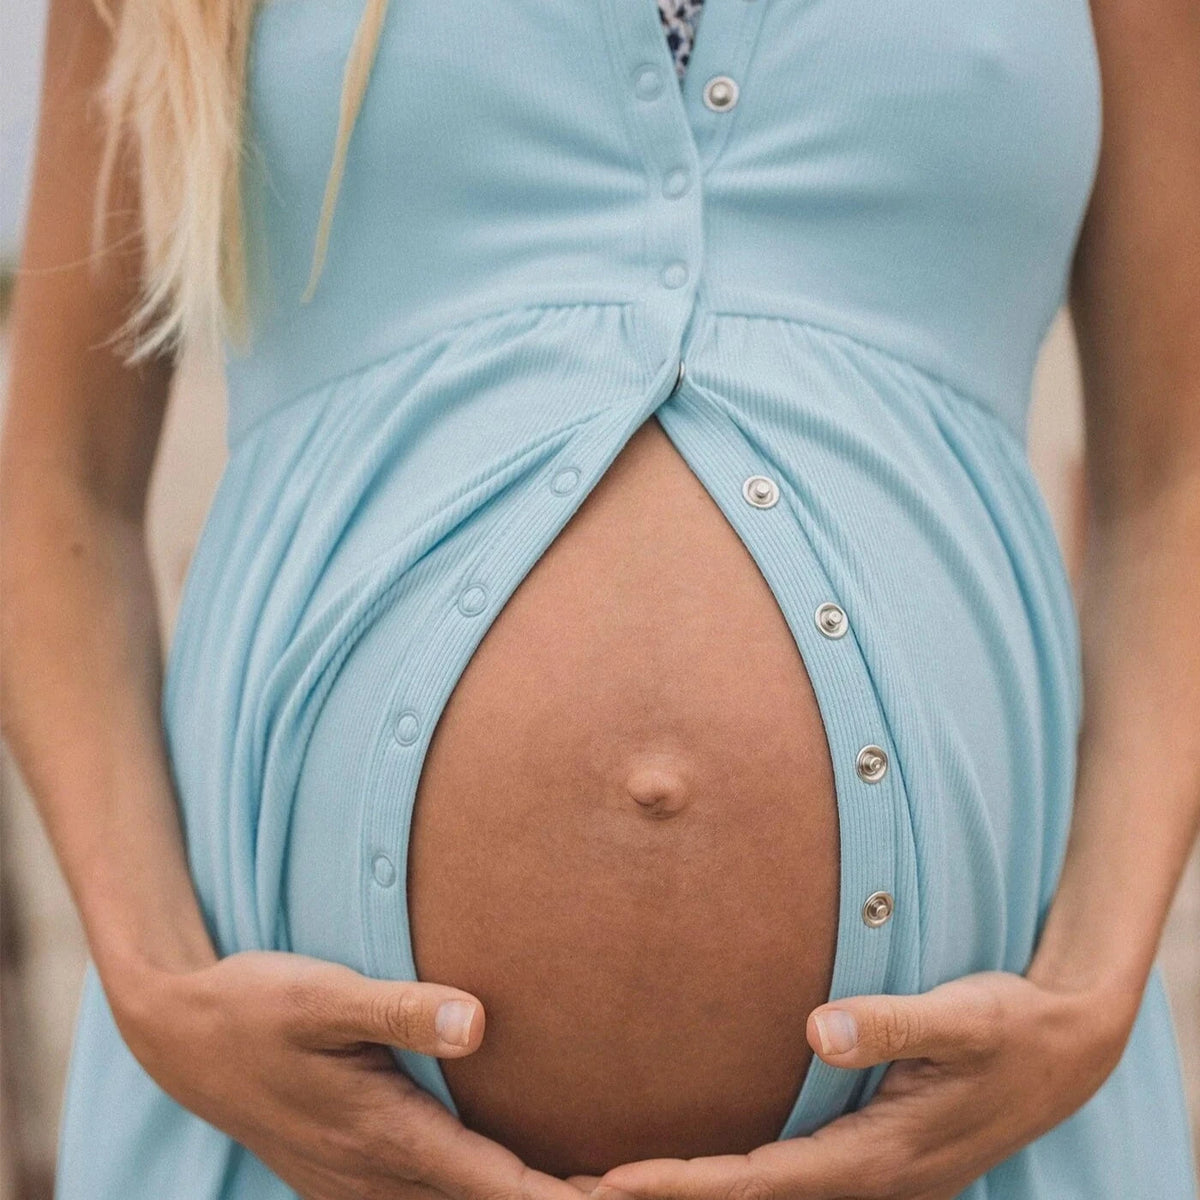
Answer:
(585, 1183)
(945, 1024)
(828, 1165)
(339, 1006)
(397, 1191)
(416, 1191)
(433, 1145)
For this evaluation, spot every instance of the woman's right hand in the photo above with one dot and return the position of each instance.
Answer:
(288, 1055)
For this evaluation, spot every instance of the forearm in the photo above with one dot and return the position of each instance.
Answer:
(81, 681)
(1137, 800)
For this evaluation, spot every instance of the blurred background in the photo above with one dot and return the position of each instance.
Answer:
(42, 952)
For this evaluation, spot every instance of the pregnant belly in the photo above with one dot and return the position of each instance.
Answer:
(625, 840)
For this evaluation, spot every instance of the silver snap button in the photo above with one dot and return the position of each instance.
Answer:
(674, 274)
(760, 491)
(383, 870)
(647, 83)
(877, 908)
(720, 93)
(472, 600)
(871, 764)
(407, 727)
(675, 182)
(565, 481)
(831, 620)
(678, 377)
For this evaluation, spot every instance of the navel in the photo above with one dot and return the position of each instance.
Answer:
(659, 790)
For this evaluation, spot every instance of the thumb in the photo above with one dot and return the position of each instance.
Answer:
(429, 1018)
(860, 1031)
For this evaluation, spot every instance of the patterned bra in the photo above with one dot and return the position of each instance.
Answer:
(679, 19)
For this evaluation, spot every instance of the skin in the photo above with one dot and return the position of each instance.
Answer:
(957, 1098)
(81, 672)
(639, 734)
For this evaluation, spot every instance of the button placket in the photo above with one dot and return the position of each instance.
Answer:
(871, 761)
(675, 272)
(715, 84)
(678, 134)
(870, 764)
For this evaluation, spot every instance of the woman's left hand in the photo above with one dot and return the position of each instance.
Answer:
(983, 1065)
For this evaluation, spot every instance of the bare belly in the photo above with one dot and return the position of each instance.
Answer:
(625, 840)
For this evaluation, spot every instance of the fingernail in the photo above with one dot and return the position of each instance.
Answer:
(453, 1021)
(838, 1031)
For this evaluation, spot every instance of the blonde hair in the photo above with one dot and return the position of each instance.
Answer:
(175, 87)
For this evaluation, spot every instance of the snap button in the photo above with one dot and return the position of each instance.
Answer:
(831, 620)
(720, 93)
(647, 83)
(472, 600)
(383, 870)
(678, 378)
(407, 727)
(565, 481)
(877, 908)
(674, 274)
(760, 491)
(675, 182)
(871, 764)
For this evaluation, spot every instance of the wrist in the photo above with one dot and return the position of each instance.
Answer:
(136, 973)
(1110, 979)
(151, 1003)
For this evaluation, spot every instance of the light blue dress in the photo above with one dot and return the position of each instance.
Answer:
(826, 262)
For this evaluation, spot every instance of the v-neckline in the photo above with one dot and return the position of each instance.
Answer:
(722, 45)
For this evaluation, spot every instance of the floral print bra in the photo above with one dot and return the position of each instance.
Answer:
(679, 19)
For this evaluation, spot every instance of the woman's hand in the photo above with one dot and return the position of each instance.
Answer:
(986, 1064)
(287, 1054)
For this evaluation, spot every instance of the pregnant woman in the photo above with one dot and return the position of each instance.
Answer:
(627, 617)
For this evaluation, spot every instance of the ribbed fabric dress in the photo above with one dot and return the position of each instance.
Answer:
(826, 258)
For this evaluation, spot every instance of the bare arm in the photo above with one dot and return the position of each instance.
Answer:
(80, 643)
(283, 1052)
(1136, 306)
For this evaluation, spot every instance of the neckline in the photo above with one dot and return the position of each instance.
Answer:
(723, 45)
